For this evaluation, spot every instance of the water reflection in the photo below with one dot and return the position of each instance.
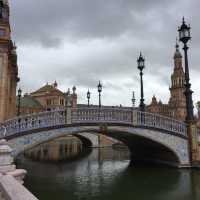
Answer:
(106, 174)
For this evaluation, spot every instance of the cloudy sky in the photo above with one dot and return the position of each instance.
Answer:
(78, 42)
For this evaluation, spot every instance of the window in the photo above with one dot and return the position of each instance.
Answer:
(61, 101)
(5, 14)
(48, 102)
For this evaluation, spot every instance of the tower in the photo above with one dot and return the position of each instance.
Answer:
(8, 66)
(177, 101)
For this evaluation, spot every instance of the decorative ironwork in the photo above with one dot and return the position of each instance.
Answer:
(91, 115)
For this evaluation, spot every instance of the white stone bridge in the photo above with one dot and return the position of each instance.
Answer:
(150, 137)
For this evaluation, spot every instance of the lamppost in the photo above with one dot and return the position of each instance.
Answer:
(99, 87)
(184, 36)
(133, 99)
(88, 98)
(19, 101)
(140, 62)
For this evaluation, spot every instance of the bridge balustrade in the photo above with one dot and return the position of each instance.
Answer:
(87, 115)
(105, 115)
(31, 122)
(161, 122)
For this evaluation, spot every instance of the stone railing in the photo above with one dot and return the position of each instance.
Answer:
(11, 189)
(105, 115)
(152, 120)
(33, 121)
(87, 115)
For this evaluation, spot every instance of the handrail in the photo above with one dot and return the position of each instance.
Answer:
(91, 115)
(11, 189)
(105, 115)
(31, 122)
(161, 122)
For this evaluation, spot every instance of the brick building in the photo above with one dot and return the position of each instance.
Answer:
(47, 98)
(8, 66)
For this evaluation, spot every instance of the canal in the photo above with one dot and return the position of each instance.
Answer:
(106, 174)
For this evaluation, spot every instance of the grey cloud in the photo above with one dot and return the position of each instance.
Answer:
(80, 19)
(122, 27)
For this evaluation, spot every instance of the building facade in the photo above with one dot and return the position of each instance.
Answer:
(176, 107)
(47, 98)
(29, 105)
(8, 66)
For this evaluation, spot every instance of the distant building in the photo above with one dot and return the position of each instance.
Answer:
(176, 107)
(47, 98)
(29, 105)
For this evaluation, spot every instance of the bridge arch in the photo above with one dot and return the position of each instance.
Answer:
(144, 144)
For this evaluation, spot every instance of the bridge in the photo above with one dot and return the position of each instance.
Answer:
(150, 137)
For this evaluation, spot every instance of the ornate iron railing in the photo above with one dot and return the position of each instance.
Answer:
(85, 115)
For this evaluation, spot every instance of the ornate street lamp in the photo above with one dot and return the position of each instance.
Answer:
(19, 94)
(88, 98)
(99, 87)
(133, 99)
(184, 36)
(141, 66)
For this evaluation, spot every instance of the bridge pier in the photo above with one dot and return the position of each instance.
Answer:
(194, 147)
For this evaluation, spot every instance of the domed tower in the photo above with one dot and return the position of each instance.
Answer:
(8, 66)
(177, 102)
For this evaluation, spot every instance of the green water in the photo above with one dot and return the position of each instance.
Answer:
(107, 175)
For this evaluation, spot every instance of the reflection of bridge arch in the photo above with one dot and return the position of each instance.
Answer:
(145, 144)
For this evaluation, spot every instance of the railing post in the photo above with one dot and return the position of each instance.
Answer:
(194, 149)
(134, 117)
